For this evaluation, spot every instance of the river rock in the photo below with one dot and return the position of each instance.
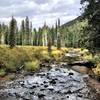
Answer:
(51, 88)
(41, 95)
(62, 84)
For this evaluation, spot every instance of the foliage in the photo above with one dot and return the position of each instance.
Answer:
(91, 12)
(12, 36)
(13, 59)
(31, 66)
(57, 54)
(73, 35)
(2, 72)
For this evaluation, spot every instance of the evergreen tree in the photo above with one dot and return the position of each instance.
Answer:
(92, 14)
(44, 34)
(49, 43)
(7, 35)
(52, 32)
(12, 35)
(31, 35)
(27, 30)
(23, 36)
(58, 36)
(35, 37)
(40, 43)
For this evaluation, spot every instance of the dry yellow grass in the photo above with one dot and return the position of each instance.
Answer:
(12, 59)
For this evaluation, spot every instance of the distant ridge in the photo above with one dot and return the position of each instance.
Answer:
(70, 23)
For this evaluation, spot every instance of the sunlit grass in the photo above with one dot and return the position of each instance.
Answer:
(30, 56)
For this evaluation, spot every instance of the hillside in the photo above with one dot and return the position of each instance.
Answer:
(73, 32)
(70, 23)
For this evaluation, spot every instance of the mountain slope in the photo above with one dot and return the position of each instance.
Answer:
(73, 33)
(70, 23)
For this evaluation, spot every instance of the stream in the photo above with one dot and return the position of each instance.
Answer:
(55, 83)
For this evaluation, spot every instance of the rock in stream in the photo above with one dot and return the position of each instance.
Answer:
(57, 83)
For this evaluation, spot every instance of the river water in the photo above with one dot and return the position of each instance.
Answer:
(56, 83)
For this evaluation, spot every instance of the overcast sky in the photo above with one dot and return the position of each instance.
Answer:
(40, 11)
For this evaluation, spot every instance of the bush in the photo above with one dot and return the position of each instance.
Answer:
(2, 72)
(96, 59)
(41, 54)
(57, 54)
(97, 70)
(31, 66)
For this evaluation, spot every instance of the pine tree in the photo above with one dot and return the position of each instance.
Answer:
(92, 14)
(49, 43)
(58, 36)
(27, 30)
(52, 32)
(40, 37)
(12, 35)
(31, 35)
(35, 37)
(23, 36)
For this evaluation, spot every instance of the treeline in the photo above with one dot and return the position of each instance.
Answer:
(73, 33)
(25, 34)
(57, 35)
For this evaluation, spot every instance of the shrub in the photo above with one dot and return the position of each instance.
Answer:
(97, 70)
(31, 66)
(57, 54)
(2, 72)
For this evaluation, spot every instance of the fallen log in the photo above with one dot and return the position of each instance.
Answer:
(87, 64)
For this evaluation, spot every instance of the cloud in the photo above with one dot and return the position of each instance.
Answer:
(40, 11)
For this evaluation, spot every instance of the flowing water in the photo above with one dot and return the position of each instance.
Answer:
(56, 83)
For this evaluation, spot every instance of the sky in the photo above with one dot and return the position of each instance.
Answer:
(39, 11)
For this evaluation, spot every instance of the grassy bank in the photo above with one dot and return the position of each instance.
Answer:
(30, 57)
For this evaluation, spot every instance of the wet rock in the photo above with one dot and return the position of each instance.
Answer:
(41, 95)
(41, 74)
(80, 96)
(45, 86)
(51, 88)
(64, 92)
(32, 92)
(57, 83)
(70, 74)
(33, 87)
(98, 78)
(57, 69)
(42, 84)
(69, 92)
(11, 94)
(45, 82)
(17, 95)
(67, 96)
(26, 96)
(53, 81)
(21, 82)
(34, 98)
(42, 89)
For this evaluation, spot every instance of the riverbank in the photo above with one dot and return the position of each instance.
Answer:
(92, 82)
(30, 57)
